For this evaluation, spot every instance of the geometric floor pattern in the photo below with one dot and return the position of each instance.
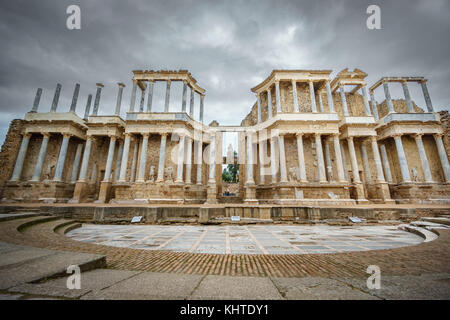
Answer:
(253, 239)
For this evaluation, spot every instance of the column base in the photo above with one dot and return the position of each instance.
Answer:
(211, 194)
(250, 194)
(79, 194)
(105, 192)
(384, 192)
(360, 195)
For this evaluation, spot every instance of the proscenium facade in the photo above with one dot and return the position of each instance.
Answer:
(308, 139)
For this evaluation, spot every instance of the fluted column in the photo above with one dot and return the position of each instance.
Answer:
(150, 96)
(56, 98)
(199, 160)
(353, 160)
(41, 158)
(386, 166)
(109, 160)
(134, 161)
(133, 97)
(184, 97)
(319, 95)
(338, 156)
(443, 156)
(283, 169)
(273, 158)
(85, 161)
(119, 98)
(88, 107)
(118, 161)
(312, 96)
(320, 161)
(180, 159)
(277, 96)
(377, 159)
(141, 103)
(73, 105)
(294, 95)
(191, 103)
(97, 98)
(188, 160)
(202, 101)
(366, 100)
(143, 158)
(329, 97)
(37, 99)
(162, 157)
(261, 153)
(407, 96)
(167, 101)
(301, 158)
(402, 159)
(124, 162)
(269, 104)
(258, 103)
(388, 97)
(61, 158)
(344, 162)
(329, 167)
(423, 158)
(343, 101)
(250, 179)
(212, 159)
(374, 106)
(76, 163)
(365, 160)
(426, 95)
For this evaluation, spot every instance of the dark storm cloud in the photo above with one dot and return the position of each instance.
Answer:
(229, 46)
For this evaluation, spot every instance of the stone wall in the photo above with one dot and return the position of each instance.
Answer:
(9, 150)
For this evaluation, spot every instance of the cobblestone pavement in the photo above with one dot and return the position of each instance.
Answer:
(267, 239)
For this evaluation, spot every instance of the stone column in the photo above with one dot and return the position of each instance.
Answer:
(388, 97)
(184, 97)
(269, 104)
(133, 96)
(320, 161)
(407, 96)
(188, 160)
(402, 159)
(143, 158)
(61, 158)
(294, 95)
(88, 107)
(312, 96)
(73, 105)
(150, 96)
(365, 160)
(41, 158)
(443, 156)
(301, 158)
(423, 158)
(141, 104)
(273, 158)
(374, 106)
(109, 160)
(124, 162)
(202, 98)
(328, 164)
(250, 179)
(258, 103)
(97, 98)
(344, 161)
(261, 152)
(167, 101)
(319, 94)
(118, 161)
(426, 95)
(343, 101)
(119, 98)
(180, 159)
(85, 161)
(329, 97)
(277, 96)
(191, 103)
(162, 158)
(353, 160)
(366, 100)
(199, 161)
(134, 161)
(212, 158)
(386, 166)
(338, 156)
(283, 169)
(76, 163)
(377, 159)
(37, 99)
(56, 98)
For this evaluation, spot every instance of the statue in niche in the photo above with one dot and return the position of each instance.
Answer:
(414, 174)
(49, 172)
(230, 154)
(169, 174)
(293, 174)
(152, 174)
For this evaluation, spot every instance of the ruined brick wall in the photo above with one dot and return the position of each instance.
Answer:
(399, 106)
(445, 119)
(9, 150)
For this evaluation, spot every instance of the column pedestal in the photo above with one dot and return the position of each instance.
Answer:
(250, 194)
(79, 193)
(211, 193)
(105, 192)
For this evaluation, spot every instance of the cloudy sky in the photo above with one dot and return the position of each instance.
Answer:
(228, 46)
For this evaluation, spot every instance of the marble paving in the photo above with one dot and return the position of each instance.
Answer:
(254, 239)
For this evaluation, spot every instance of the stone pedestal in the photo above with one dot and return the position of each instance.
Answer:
(359, 192)
(79, 194)
(211, 193)
(385, 194)
(105, 192)
(250, 194)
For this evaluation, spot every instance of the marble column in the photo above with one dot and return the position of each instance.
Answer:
(365, 160)
(329, 97)
(118, 161)
(366, 100)
(143, 158)
(41, 158)
(133, 97)
(388, 98)
(97, 98)
(162, 157)
(301, 158)
(426, 95)
(180, 159)
(61, 158)
(141, 103)
(423, 158)
(344, 101)
(283, 169)
(85, 161)
(338, 156)
(407, 97)
(277, 96)
(188, 160)
(76, 163)
(109, 160)
(199, 160)
(344, 161)
(250, 179)
(150, 96)
(269, 104)
(402, 159)
(319, 95)
(56, 98)
(261, 152)
(386, 166)
(443, 156)
(134, 161)
(191, 103)
(312, 96)
(328, 164)
(353, 160)
(88, 107)
(37, 99)
(73, 105)
(167, 101)
(273, 158)
(377, 159)
(258, 110)
(202, 98)
(294, 95)
(320, 161)
(119, 98)
(373, 102)
(212, 159)
(184, 97)
(124, 162)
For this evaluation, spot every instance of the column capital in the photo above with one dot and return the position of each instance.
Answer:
(26, 135)
(423, 81)
(299, 134)
(121, 85)
(112, 137)
(293, 81)
(335, 135)
(340, 85)
(164, 134)
(152, 81)
(397, 135)
(349, 138)
(67, 135)
(317, 134)
(438, 135)
(418, 135)
(146, 135)
(128, 135)
(403, 81)
(46, 134)
(310, 80)
(373, 138)
(169, 81)
(99, 85)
